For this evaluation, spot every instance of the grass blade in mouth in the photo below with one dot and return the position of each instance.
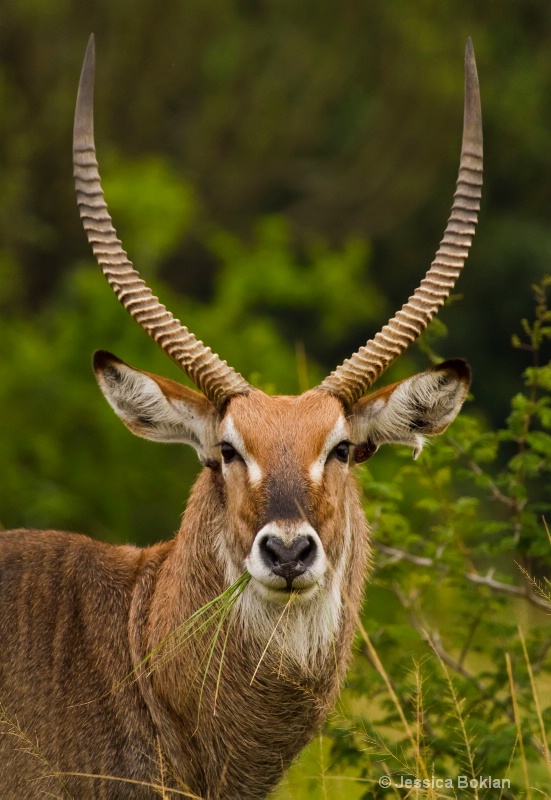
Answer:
(223, 617)
(200, 620)
(286, 608)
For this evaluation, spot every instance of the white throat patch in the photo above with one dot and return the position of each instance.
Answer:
(302, 632)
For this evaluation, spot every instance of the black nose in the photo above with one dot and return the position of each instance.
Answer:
(289, 561)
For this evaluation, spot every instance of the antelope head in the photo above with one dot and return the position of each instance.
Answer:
(282, 465)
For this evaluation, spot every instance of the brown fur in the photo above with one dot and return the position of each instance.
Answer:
(76, 616)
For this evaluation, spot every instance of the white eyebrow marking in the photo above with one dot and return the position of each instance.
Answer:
(233, 437)
(336, 434)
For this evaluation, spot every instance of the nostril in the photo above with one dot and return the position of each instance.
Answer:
(291, 560)
(271, 551)
(303, 548)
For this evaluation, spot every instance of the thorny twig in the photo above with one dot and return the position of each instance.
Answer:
(482, 580)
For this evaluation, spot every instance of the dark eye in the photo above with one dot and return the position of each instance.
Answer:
(228, 452)
(342, 450)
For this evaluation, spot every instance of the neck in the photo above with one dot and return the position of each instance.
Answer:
(236, 698)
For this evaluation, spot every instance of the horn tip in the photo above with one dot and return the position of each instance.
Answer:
(89, 63)
(470, 60)
(472, 113)
(83, 133)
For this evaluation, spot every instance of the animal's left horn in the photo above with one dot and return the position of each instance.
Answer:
(210, 374)
(352, 379)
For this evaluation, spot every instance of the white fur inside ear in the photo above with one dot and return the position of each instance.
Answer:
(415, 408)
(142, 405)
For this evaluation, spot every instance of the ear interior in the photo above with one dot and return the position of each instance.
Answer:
(156, 408)
(406, 412)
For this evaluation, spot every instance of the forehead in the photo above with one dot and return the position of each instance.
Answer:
(302, 422)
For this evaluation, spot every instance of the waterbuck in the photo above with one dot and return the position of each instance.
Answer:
(118, 672)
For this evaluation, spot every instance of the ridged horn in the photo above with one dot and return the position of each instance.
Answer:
(352, 379)
(209, 373)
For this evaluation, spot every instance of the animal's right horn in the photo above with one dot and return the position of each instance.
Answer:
(359, 372)
(210, 374)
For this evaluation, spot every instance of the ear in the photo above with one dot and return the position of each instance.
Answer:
(157, 408)
(406, 412)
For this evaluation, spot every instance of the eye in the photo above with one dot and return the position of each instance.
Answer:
(228, 452)
(342, 451)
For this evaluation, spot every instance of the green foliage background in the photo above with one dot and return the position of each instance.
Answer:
(281, 173)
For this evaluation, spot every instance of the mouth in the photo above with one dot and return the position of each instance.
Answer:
(285, 594)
